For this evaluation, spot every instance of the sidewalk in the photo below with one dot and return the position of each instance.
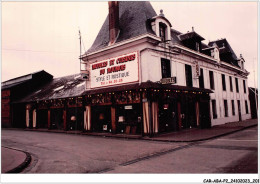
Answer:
(13, 161)
(196, 134)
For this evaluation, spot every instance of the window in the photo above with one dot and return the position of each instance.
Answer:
(197, 46)
(244, 84)
(201, 79)
(237, 88)
(233, 107)
(166, 68)
(223, 82)
(211, 80)
(188, 73)
(162, 29)
(246, 105)
(231, 85)
(226, 108)
(214, 109)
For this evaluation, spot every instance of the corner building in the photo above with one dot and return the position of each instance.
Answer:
(140, 76)
(144, 77)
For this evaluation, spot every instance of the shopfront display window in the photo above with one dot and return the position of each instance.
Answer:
(129, 118)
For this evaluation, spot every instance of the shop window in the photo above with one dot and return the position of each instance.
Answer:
(244, 84)
(166, 68)
(214, 109)
(231, 85)
(188, 73)
(246, 105)
(201, 79)
(211, 80)
(129, 118)
(233, 107)
(226, 108)
(237, 88)
(223, 82)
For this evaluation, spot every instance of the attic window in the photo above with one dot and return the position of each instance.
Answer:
(162, 31)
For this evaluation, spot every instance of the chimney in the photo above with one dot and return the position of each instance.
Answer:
(113, 21)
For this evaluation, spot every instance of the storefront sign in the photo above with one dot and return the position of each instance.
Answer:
(197, 69)
(170, 80)
(128, 107)
(113, 71)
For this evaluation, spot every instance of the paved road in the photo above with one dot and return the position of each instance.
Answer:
(62, 153)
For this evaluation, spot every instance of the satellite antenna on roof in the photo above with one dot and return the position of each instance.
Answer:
(80, 45)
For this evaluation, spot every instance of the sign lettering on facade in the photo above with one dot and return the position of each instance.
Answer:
(197, 67)
(113, 71)
(170, 80)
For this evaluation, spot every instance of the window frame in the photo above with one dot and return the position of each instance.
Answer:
(211, 80)
(244, 85)
(223, 82)
(214, 109)
(231, 83)
(188, 70)
(201, 79)
(162, 29)
(233, 107)
(166, 72)
(246, 107)
(237, 85)
(225, 108)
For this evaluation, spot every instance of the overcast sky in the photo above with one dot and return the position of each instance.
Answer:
(44, 35)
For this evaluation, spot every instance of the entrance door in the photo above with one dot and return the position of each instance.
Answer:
(30, 118)
(78, 123)
(57, 119)
(168, 117)
(239, 110)
(129, 118)
(188, 113)
(204, 115)
(42, 118)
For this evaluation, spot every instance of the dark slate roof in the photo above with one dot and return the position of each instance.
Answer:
(133, 21)
(226, 53)
(25, 79)
(63, 87)
(175, 37)
(190, 35)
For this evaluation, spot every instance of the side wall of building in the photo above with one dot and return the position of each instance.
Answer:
(6, 108)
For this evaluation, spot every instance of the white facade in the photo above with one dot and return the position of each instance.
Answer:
(151, 50)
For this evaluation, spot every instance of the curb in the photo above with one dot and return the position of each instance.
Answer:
(23, 165)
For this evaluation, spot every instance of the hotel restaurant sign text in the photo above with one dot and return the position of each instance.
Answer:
(114, 71)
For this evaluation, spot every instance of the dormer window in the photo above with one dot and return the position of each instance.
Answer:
(162, 29)
(197, 46)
